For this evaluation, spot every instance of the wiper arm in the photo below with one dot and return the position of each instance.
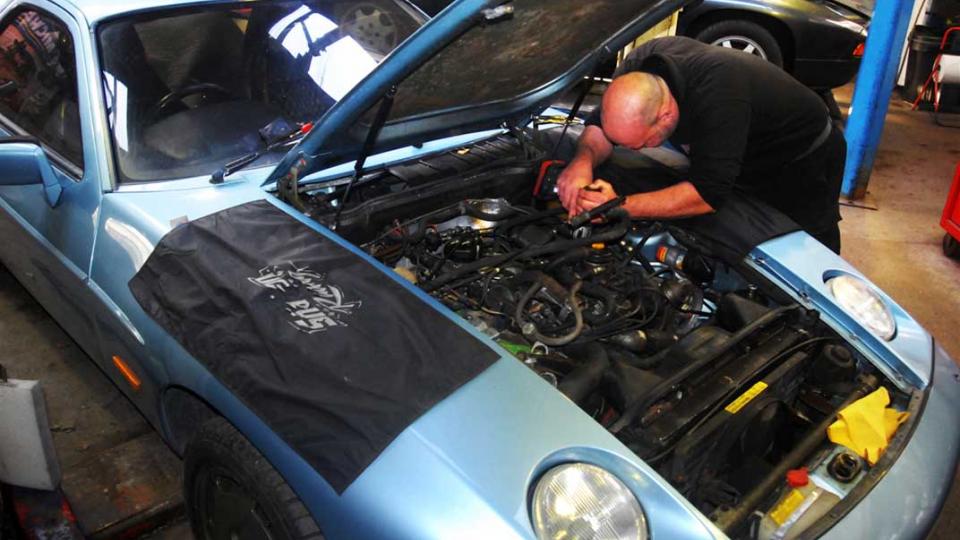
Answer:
(231, 167)
(379, 120)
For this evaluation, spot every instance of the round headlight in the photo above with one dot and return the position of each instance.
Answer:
(577, 501)
(861, 301)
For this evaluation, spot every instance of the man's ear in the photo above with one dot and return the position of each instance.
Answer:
(666, 115)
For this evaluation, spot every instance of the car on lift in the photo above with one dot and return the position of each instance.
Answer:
(312, 242)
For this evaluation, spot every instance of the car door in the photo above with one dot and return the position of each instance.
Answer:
(48, 197)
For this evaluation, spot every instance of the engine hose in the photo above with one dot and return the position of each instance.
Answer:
(422, 223)
(535, 333)
(572, 255)
(584, 379)
(638, 249)
(637, 361)
(608, 297)
(521, 220)
(446, 214)
(618, 216)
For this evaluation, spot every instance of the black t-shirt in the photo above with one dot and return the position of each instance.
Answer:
(743, 119)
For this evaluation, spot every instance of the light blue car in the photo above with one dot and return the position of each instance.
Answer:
(313, 242)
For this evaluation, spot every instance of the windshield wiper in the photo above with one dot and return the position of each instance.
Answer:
(270, 144)
(379, 120)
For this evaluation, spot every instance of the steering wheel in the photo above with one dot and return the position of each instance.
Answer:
(189, 90)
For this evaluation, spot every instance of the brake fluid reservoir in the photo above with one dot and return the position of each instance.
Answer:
(797, 509)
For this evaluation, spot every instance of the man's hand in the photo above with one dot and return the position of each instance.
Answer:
(575, 176)
(593, 195)
(593, 148)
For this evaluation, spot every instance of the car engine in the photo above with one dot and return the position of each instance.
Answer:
(704, 369)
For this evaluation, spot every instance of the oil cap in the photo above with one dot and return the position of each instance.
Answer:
(798, 478)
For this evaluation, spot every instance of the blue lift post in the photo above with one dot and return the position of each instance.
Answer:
(871, 94)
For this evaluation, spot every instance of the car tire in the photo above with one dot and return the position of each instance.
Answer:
(232, 491)
(744, 35)
(951, 247)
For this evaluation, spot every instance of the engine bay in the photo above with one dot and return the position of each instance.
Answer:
(703, 368)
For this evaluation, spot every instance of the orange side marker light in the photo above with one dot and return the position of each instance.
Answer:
(127, 372)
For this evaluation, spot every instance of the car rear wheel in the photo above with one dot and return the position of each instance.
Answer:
(745, 36)
(233, 493)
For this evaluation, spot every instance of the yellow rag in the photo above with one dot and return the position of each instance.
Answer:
(867, 425)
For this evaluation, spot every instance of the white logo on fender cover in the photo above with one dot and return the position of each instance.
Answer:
(321, 306)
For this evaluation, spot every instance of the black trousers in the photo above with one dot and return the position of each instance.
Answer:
(808, 190)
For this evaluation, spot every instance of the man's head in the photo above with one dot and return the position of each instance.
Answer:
(639, 111)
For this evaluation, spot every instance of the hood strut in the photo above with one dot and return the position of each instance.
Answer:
(386, 103)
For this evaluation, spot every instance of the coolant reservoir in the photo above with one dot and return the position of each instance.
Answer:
(797, 509)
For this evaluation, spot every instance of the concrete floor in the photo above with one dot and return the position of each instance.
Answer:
(117, 473)
(897, 245)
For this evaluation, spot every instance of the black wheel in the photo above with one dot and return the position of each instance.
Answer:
(951, 248)
(233, 493)
(745, 36)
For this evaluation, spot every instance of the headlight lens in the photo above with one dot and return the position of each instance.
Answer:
(864, 304)
(579, 501)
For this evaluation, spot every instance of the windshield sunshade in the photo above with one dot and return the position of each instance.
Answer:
(191, 88)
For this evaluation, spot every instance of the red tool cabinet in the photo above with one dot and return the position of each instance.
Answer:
(950, 221)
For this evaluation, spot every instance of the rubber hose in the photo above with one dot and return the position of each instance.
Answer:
(584, 379)
(549, 340)
(637, 361)
(572, 255)
(614, 233)
(609, 300)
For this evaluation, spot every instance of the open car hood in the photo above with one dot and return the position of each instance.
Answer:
(478, 64)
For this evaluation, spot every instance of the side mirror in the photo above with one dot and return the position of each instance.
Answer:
(23, 162)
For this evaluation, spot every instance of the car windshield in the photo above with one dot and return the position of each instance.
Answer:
(190, 89)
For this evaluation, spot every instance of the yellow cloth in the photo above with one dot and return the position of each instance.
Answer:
(867, 425)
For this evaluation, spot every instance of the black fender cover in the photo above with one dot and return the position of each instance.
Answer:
(331, 353)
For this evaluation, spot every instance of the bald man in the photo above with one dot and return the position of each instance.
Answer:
(747, 127)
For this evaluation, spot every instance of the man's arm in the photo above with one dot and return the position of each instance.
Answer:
(677, 201)
(593, 148)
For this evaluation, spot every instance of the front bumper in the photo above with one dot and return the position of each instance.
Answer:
(907, 501)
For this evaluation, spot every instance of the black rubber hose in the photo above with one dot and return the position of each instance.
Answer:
(570, 256)
(584, 379)
(638, 249)
(608, 297)
(582, 219)
(423, 222)
(637, 361)
(448, 213)
(521, 220)
(551, 341)
(615, 232)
